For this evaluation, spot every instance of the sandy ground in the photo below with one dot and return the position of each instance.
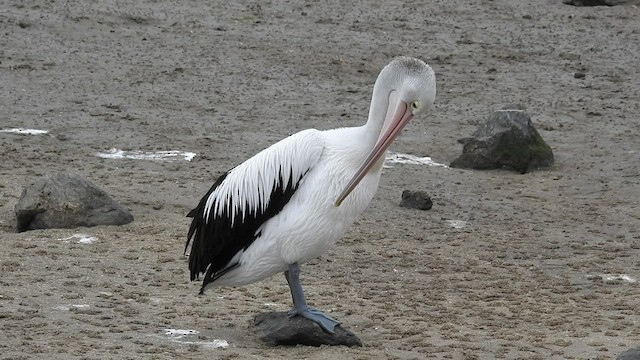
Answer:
(546, 265)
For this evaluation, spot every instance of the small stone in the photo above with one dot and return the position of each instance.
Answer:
(67, 201)
(277, 328)
(416, 200)
(579, 75)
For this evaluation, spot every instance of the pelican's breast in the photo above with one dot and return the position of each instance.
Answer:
(311, 223)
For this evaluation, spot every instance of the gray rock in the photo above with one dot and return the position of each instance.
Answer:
(507, 139)
(416, 200)
(277, 328)
(595, 2)
(67, 201)
(631, 354)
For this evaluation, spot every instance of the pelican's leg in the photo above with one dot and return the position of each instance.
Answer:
(300, 305)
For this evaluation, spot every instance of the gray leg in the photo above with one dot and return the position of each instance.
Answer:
(300, 307)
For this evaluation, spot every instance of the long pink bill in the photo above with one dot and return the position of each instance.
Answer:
(400, 119)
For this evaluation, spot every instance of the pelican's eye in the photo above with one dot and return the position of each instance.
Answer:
(414, 105)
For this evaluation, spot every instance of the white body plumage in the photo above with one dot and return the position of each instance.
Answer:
(310, 223)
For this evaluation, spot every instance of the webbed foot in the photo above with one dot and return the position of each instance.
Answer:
(325, 321)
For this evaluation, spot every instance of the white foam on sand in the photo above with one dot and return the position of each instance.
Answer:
(146, 155)
(22, 131)
(69, 307)
(178, 335)
(618, 278)
(400, 158)
(80, 238)
(457, 224)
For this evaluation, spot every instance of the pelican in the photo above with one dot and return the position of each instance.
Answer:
(292, 201)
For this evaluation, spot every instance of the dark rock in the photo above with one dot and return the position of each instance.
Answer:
(595, 2)
(416, 200)
(579, 75)
(67, 201)
(507, 139)
(277, 328)
(631, 354)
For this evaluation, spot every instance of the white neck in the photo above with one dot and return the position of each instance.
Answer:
(377, 110)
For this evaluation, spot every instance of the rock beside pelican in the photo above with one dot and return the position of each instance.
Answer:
(416, 200)
(277, 328)
(507, 139)
(595, 2)
(631, 354)
(67, 201)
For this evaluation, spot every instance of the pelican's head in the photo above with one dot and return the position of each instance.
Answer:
(405, 88)
(410, 82)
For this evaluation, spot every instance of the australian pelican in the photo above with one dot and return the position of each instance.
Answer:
(292, 201)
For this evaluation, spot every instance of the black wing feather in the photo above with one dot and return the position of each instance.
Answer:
(217, 241)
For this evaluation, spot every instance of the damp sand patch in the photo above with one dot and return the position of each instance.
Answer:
(184, 335)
